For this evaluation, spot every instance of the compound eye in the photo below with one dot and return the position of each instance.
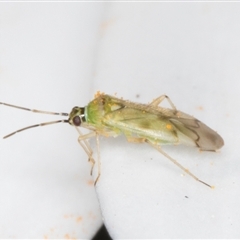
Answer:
(77, 121)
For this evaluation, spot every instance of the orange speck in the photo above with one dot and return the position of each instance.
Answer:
(97, 94)
(79, 219)
(67, 236)
(90, 182)
(106, 24)
(169, 126)
(200, 108)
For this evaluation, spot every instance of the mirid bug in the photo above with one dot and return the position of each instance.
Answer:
(141, 123)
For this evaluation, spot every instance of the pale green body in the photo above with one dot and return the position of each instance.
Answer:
(110, 116)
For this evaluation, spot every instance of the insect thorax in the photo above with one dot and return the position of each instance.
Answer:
(101, 107)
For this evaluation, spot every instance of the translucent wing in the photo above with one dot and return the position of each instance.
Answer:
(156, 124)
(204, 137)
(163, 126)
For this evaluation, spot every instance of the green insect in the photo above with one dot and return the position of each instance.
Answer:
(141, 123)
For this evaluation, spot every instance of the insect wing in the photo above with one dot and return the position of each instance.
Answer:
(204, 137)
(142, 124)
(156, 124)
(162, 125)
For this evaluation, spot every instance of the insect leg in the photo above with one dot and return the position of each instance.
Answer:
(99, 162)
(135, 140)
(85, 145)
(158, 100)
(158, 148)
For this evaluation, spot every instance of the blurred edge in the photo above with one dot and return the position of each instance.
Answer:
(102, 234)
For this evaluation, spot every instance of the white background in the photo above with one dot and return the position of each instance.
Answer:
(55, 56)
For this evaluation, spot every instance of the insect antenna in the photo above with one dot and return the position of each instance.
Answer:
(35, 111)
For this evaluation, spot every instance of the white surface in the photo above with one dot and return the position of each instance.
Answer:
(47, 55)
(189, 51)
